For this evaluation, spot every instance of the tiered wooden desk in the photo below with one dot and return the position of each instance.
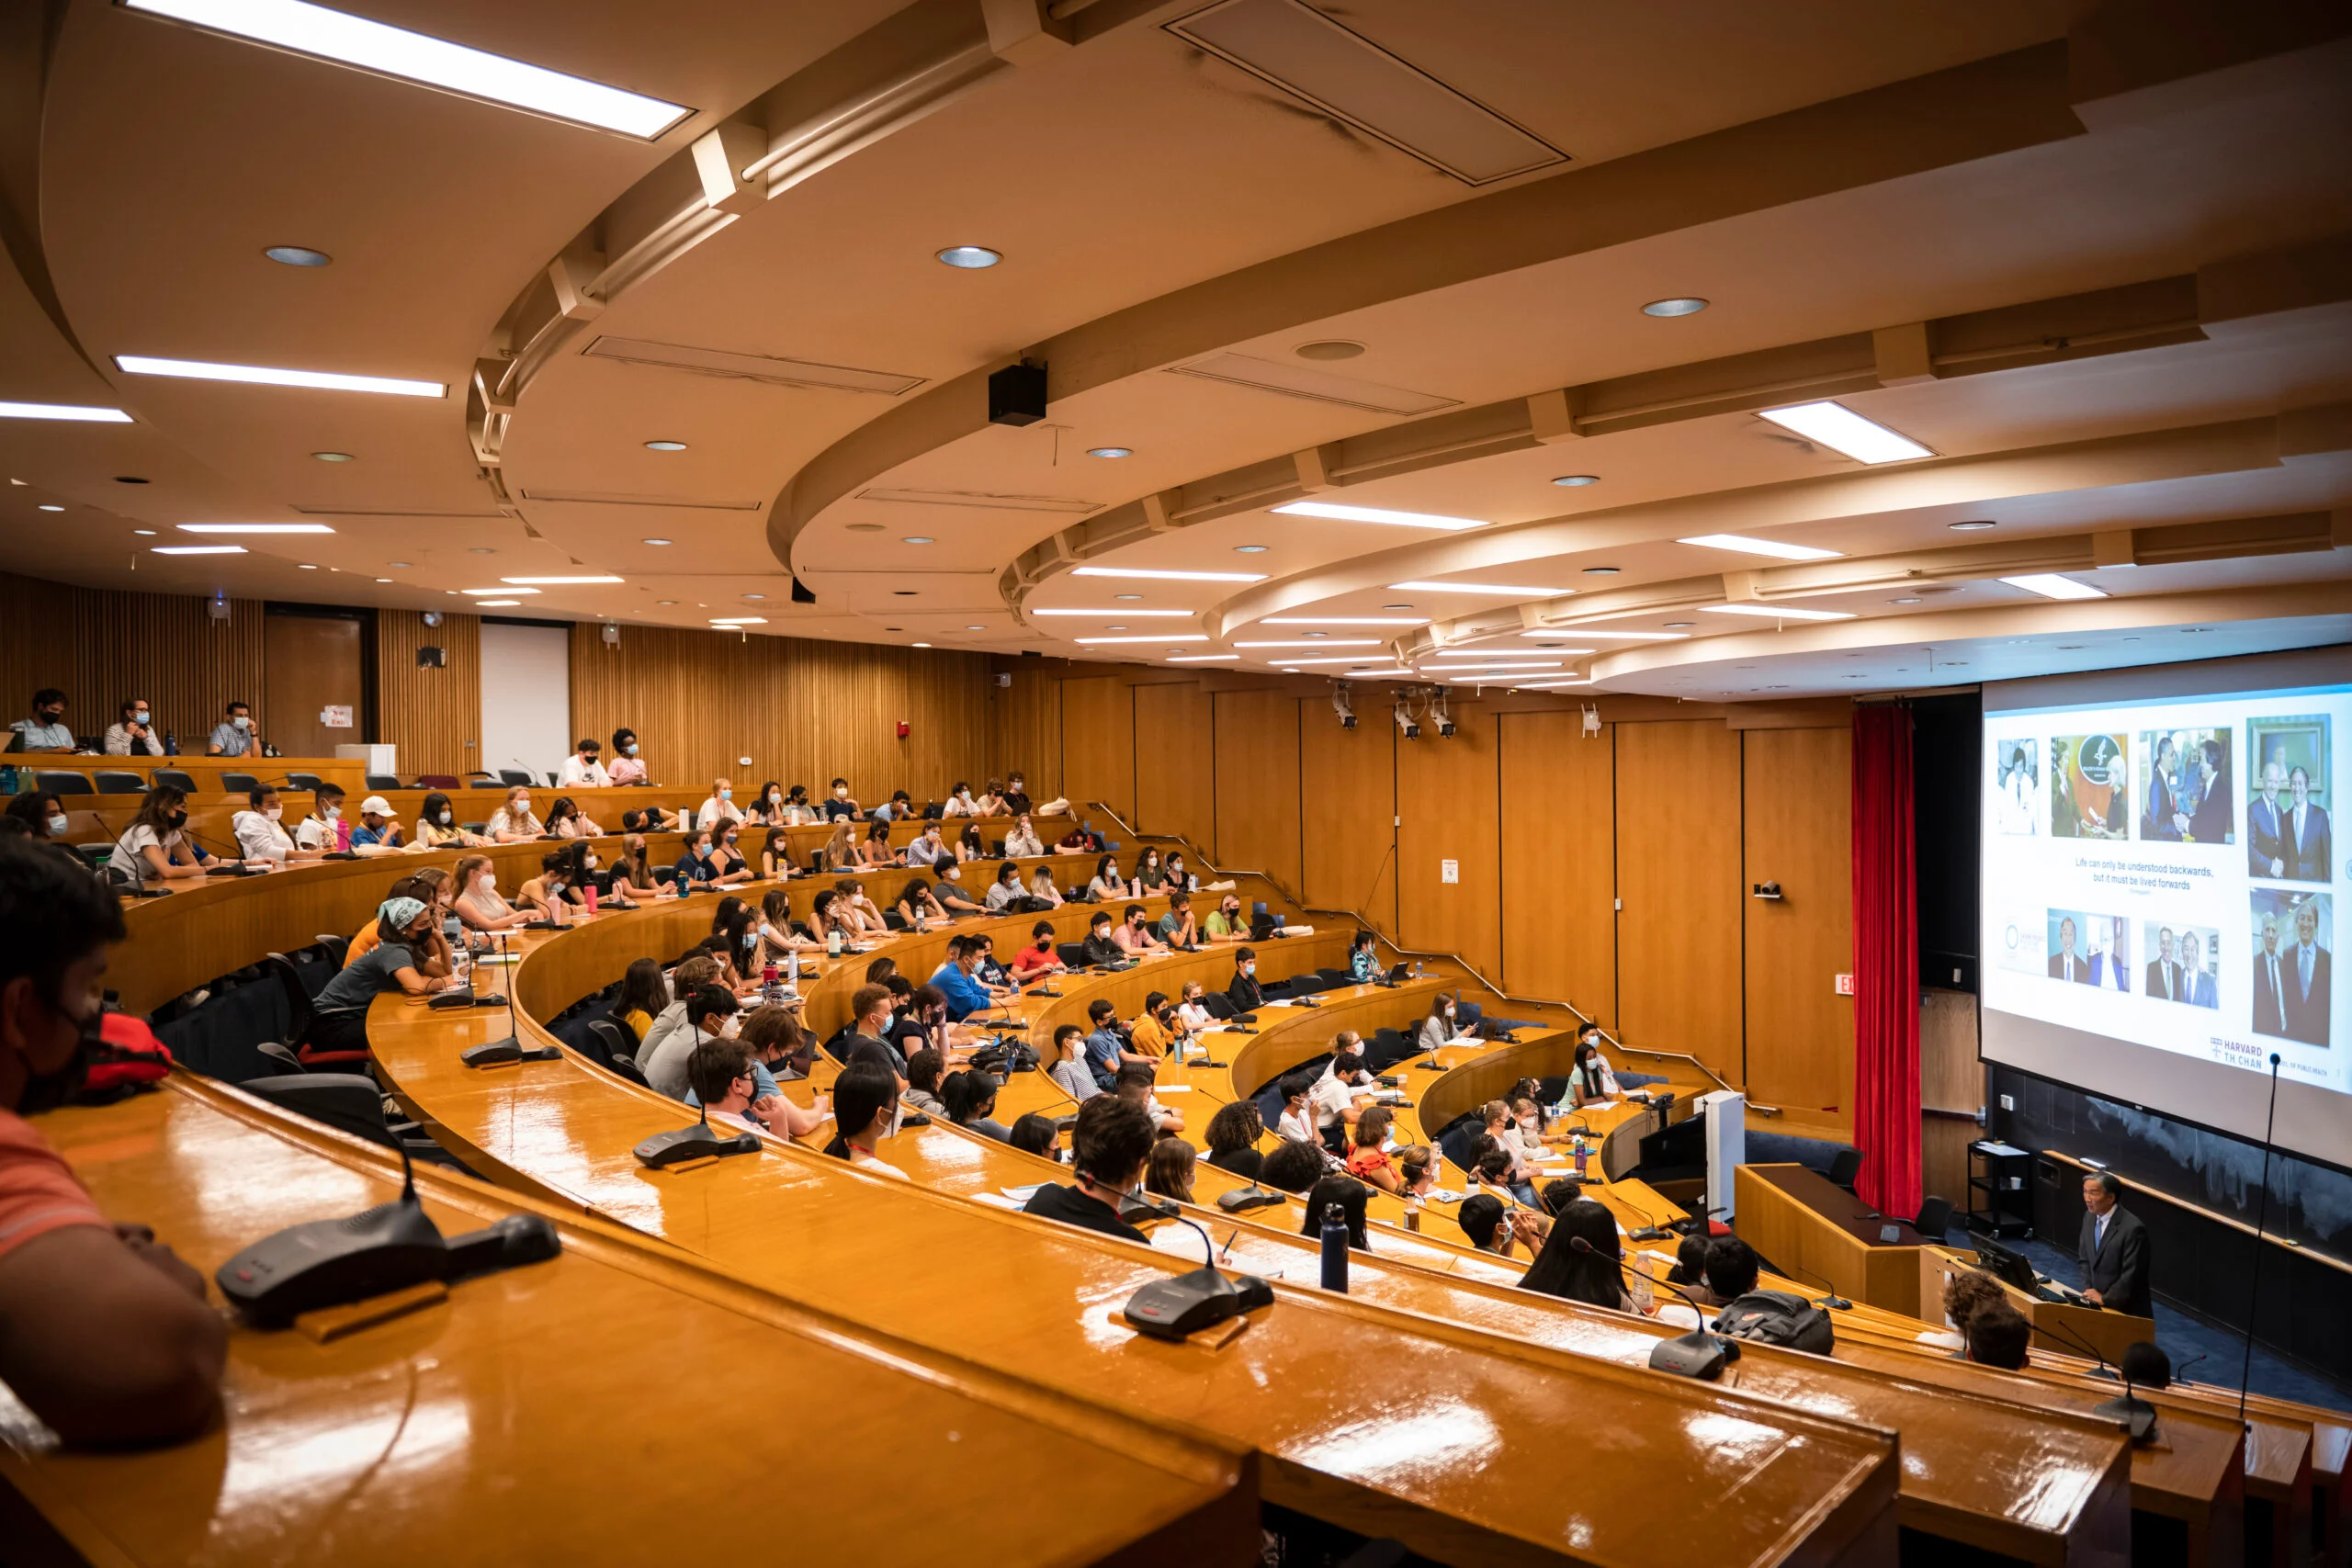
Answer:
(582, 1410)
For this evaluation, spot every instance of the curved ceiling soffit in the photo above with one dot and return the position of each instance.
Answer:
(28, 35)
(1960, 115)
(907, 67)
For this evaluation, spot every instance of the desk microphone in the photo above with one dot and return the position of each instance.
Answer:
(1251, 1197)
(1650, 1232)
(498, 1052)
(1697, 1354)
(2135, 1415)
(1832, 1301)
(692, 1143)
(1185, 1303)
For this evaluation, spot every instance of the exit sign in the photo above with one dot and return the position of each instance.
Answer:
(1844, 984)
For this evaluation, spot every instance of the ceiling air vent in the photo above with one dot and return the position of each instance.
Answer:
(1317, 386)
(610, 498)
(985, 499)
(1348, 76)
(752, 366)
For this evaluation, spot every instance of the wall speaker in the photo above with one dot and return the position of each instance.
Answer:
(1017, 395)
(432, 659)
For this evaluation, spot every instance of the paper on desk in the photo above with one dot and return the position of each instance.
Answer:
(997, 1200)
(1171, 1088)
(1022, 1194)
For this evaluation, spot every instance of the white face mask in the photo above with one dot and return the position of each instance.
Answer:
(275, 812)
(775, 797)
(56, 824)
(953, 875)
(590, 863)
(139, 718)
(487, 882)
(331, 812)
(445, 819)
(726, 795)
(1249, 968)
(524, 806)
(632, 747)
(840, 792)
(243, 723)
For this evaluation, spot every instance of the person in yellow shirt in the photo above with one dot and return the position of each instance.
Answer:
(1148, 1034)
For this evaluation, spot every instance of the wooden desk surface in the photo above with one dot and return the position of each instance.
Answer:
(1836, 1206)
(549, 1412)
(1454, 1447)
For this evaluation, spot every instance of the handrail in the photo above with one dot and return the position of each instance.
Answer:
(1403, 952)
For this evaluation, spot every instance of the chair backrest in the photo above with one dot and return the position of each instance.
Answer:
(384, 781)
(428, 781)
(1071, 954)
(514, 776)
(113, 780)
(238, 783)
(58, 782)
(1935, 1218)
(349, 1102)
(479, 774)
(176, 778)
(1845, 1166)
(334, 946)
(604, 1039)
(1305, 984)
(1216, 1004)
(299, 1010)
(625, 1065)
(302, 781)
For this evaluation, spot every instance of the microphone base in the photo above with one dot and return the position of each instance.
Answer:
(1697, 1354)
(2133, 1414)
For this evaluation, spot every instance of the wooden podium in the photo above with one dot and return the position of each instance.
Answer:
(2108, 1332)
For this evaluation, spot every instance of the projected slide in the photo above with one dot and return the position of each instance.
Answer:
(2163, 875)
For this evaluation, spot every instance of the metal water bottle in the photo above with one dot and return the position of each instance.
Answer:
(1335, 1250)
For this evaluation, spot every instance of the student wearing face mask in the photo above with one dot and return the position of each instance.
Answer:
(1041, 886)
(154, 847)
(151, 1373)
(433, 956)
(990, 800)
(626, 767)
(378, 827)
(47, 730)
(317, 831)
(1364, 965)
(854, 906)
(865, 1111)
(514, 822)
(838, 807)
(1225, 922)
(710, 1014)
(953, 894)
(927, 849)
(1437, 1030)
(898, 808)
(917, 907)
(1098, 946)
(727, 854)
(235, 736)
(1151, 876)
(582, 769)
(875, 848)
(1297, 1120)
(970, 1099)
(1176, 928)
(42, 814)
(1039, 1136)
(720, 807)
(134, 734)
(1134, 937)
(1023, 842)
(632, 873)
(542, 897)
(566, 820)
(260, 830)
(1191, 1007)
(437, 827)
(1245, 993)
(960, 802)
(696, 868)
(478, 906)
(1589, 1082)
(1038, 959)
(780, 934)
(1106, 884)
(404, 927)
(1109, 1145)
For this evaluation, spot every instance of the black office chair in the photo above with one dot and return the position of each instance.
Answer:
(113, 780)
(1072, 954)
(1935, 1219)
(1845, 1167)
(302, 781)
(56, 781)
(349, 1102)
(175, 779)
(475, 828)
(1305, 984)
(478, 773)
(240, 783)
(383, 782)
(512, 776)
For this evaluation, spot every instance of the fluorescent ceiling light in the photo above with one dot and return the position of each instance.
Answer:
(1547, 685)
(1345, 621)
(738, 620)
(1201, 657)
(497, 604)
(1168, 576)
(1630, 637)
(254, 528)
(1745, 546)
(1382, 674)
(64, 411)
(1318, 642)
(1348, 659)
(479, 593)
(1841, 429)
(2050, 585)
(1517, 592)
(1156, 637)
(199, 549)
(1378, 514)
(1776, 612)
(435, 63)
(553, 581)
(268, 375)
(1504, 663)
(1101, 614)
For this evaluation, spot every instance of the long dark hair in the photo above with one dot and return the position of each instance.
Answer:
(430, 812)
(1348, 1195)
(1562, 1270)
(968, 1096)
(155, 810)
(732, 920)
(642, 989)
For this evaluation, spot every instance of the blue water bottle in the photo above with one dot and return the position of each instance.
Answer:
(1335, 1250)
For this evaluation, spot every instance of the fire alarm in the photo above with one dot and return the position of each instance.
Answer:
(904, 730)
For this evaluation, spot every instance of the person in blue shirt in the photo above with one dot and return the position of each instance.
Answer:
(965, 994)
(376, 825)
(1107, 1048)
(696, 865)
(1362, 965)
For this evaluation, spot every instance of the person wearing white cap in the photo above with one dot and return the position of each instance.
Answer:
(377, 825)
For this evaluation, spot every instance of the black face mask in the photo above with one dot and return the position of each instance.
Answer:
(177, 820)
(47, 1091)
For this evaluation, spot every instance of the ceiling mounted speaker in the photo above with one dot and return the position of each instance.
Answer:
(1017, 395)
(432, 659)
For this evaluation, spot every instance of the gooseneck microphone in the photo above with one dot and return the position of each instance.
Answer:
(1697, 1354)
(1832, 1301)
(2261, 1222)
(2135, 1415)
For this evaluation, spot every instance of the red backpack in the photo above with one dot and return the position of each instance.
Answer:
(129, 1060)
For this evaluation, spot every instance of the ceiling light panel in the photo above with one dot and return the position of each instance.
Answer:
(1345, 621)
(1502, 588)
(429, 62)
(64, 411)
(1161, 637)
(558, 582)
(1742, 544)
(1840, 429)
(272, 376)
(1345, 74)
(1776, 612)
(2050, 585)
(1378, 514)
(1318, 642)
(479, 593)
(1106, 614)
(254, 528)
(1153, 574)
(774, 372)
(1584, 634)
(1201, 657)
(199, 549)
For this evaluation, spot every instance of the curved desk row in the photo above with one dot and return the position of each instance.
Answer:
(552, 1412)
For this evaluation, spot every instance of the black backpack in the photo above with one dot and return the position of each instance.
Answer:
(1776, 1317)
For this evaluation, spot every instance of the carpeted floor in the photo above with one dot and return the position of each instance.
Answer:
(2186, 1339)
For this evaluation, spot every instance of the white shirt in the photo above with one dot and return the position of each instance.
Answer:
(707, 814)
(1301, 1126)
(314, 834)
(578, 772)
(260, 836)
(127, 855)
(502, 821)
(1331, 1097)
(960, 805)
(1194, 1015)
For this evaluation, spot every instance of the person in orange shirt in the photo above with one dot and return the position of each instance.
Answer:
(104, 1333)
(1367, 1161)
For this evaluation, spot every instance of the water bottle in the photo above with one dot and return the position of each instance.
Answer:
(834, 943)
(7, 778)
(1335, 1249)
(1580, 1156)
(792, 960)
(771, 986)
(171, 743)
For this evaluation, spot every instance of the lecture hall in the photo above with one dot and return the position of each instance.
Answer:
(681, 826)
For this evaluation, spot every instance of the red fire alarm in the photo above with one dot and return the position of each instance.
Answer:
(903, 731)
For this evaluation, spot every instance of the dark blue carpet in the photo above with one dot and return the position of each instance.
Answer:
(2184, 1339)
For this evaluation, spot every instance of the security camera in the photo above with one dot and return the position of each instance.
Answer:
(1342, 706)
(1404, 722)
(1438, 712)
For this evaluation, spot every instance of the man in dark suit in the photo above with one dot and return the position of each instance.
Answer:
(2212, 822)
(2164, 974)
(2271, 978)
(2304, 834)
(2113, 1250)
(2066, 964)
(2306, 979)
(2162, 806)
(2264, 827)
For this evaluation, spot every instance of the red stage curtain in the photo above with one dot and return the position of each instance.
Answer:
(1886, 964)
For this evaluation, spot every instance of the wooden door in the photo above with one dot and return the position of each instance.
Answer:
(310, 663)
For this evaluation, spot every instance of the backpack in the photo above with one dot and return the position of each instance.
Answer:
(1776, 1317)
(129, 1060)
(1005, 1055)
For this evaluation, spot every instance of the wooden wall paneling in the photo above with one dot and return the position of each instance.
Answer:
(1175, 753)
(1559, 870)
(1677, 876)
(432, 715)
(1447, 794)
(1348, 787)
(805, 711)
(1099, 744)
(1257, 826)
(1025, 725)
(1797, 832)
(1951, 1091)
(99, 646)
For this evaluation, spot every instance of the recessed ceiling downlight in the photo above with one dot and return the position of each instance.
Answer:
(1576, 481)
(1685, 304)
(665, 446)
(970, 258)
(1329, 348)
(332, 456)
(297, 256)
(1110, 451)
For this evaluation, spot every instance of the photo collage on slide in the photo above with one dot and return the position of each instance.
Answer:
(2194, 908)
